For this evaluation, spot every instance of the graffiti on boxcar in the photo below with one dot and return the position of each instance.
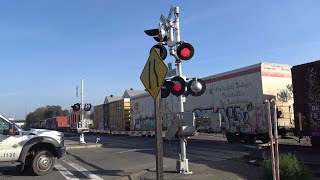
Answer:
(203, 112)
(234, 119)
(313, 79)
(285, 94)
(144, 124)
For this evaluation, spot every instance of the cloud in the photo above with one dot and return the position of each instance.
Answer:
(8, 94)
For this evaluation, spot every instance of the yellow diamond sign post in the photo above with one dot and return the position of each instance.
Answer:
(153, 74)
(152, 77)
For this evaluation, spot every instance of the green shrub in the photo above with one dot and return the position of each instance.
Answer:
(290, 168)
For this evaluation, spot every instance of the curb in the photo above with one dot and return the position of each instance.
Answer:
(83, 146)
(133, 176)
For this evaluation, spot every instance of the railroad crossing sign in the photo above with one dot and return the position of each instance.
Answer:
(153, 74)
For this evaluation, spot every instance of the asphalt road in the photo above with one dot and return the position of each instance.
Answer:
(120, 156)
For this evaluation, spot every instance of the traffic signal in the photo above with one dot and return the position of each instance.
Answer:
(161, 50)
(178, 86)
(87, 107)
(196, 87)
(76, 107)
(158, 34)
(165, 91)
(185, 51)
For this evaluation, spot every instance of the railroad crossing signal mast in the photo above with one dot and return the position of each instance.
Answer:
(168, 33)
(82, 126)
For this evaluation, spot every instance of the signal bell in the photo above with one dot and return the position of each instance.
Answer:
(185, 51)
(196, 87)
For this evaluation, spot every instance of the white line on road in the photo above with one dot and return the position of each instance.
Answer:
(83, 171)
(67, 174)
(120, 152)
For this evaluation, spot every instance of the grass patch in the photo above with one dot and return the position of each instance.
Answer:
(290, 168)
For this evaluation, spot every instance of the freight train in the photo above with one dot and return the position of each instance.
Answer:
(233, 104)
(306, 90)
(60, 123)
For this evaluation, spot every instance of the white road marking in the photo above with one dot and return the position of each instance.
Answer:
(120, 152)
(83, 171)
(67, 174)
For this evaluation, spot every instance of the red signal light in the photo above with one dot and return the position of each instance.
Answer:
(176, 87)
(179, 86)
(185, 51)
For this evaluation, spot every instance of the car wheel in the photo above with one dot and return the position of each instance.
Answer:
(42, 163)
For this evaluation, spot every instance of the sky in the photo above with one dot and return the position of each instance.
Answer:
(47, 47)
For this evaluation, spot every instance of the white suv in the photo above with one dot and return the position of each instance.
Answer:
(33, 149)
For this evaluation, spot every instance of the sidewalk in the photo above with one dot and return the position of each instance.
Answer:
(205, 170)
(71, 144)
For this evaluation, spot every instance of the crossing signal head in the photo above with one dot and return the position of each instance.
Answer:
(87, 107)
(178, 86)
(162, 35)
(185, 51)
(76, 107)
(196, 87)
(161, 50)
(158, 34)
(165, 90)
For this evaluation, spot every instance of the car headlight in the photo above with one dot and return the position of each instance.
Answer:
(60, 139)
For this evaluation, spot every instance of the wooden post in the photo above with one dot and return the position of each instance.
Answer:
(159, 142)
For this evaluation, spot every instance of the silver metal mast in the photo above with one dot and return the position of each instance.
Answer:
(183, 162)
(82, 126)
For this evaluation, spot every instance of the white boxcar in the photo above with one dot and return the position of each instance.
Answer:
(234, 101)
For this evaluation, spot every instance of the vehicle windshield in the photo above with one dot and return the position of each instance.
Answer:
(11, 122)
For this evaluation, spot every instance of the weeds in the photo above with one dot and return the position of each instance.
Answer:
(290, 168)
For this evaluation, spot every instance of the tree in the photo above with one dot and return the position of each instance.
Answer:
(42, 113)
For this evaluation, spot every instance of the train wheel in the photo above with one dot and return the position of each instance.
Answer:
(265, 140)
(283, 133)
(249, 139)
(231, 138)
(315, 141)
